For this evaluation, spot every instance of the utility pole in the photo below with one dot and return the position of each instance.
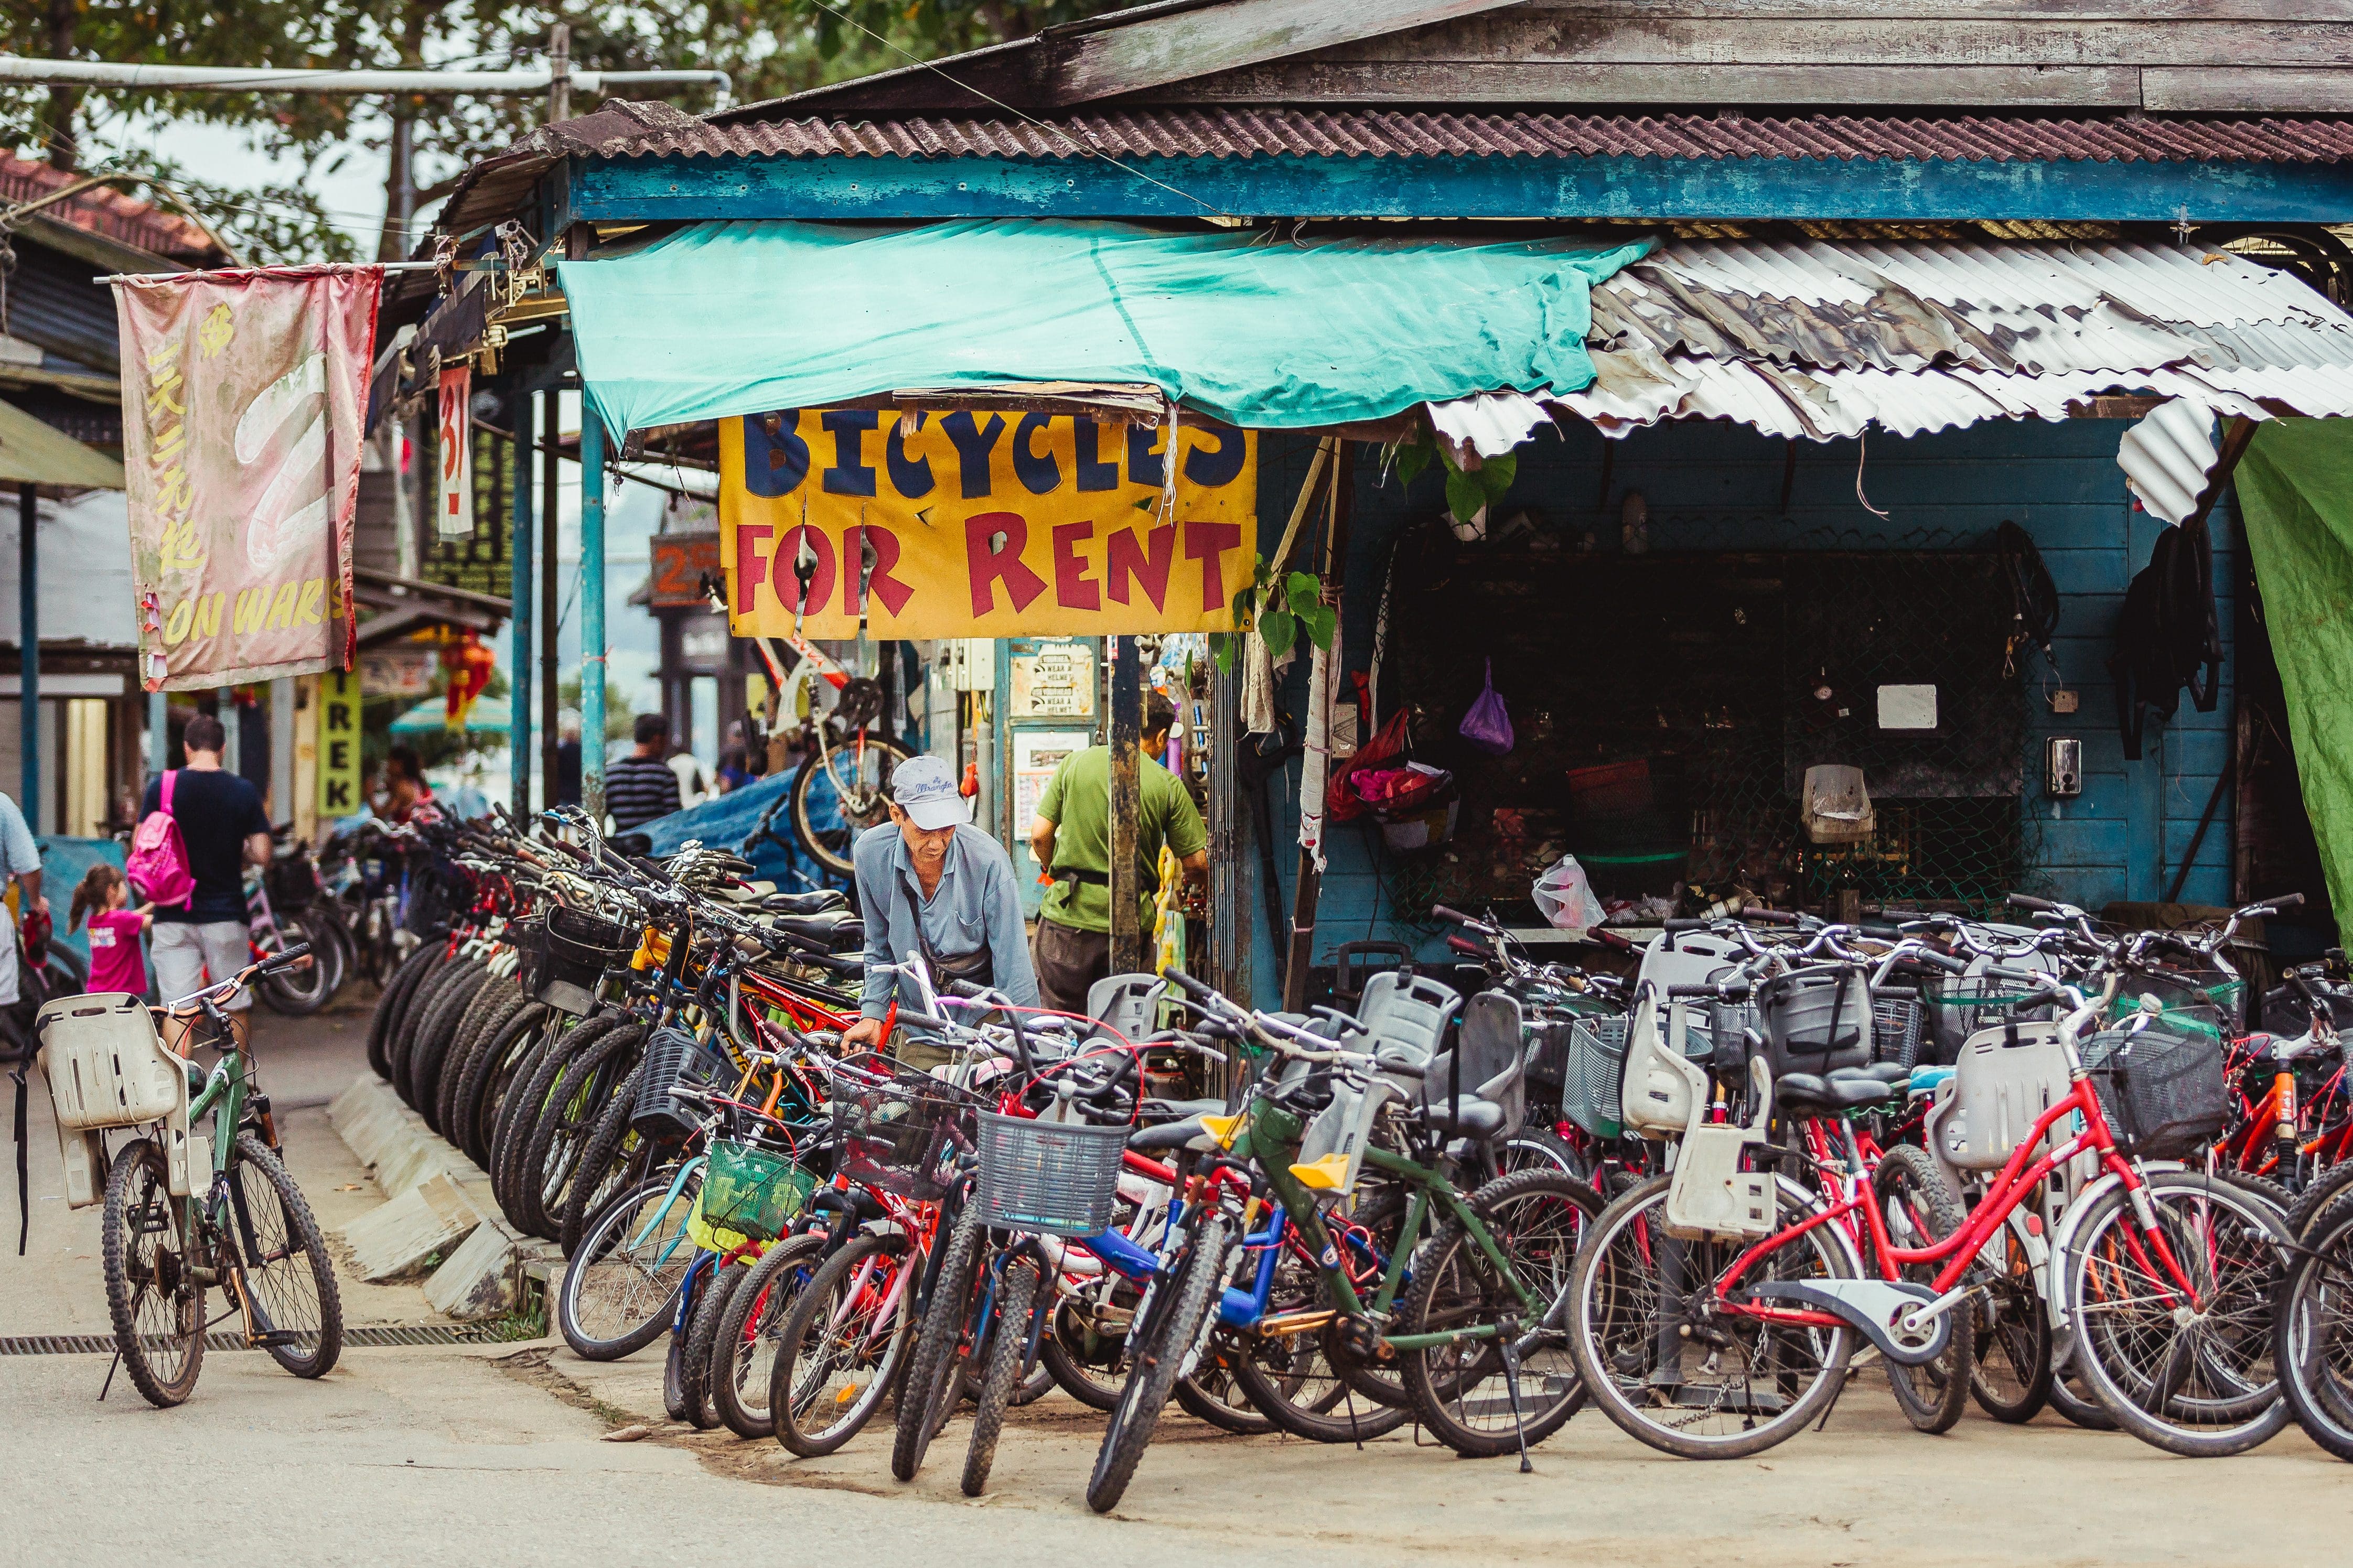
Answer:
(1127, 954)
(559, 73)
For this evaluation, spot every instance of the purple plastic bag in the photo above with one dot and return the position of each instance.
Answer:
(1488, 726)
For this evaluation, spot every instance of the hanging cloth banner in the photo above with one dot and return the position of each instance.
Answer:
(982, 525)
(242, 398)
(454, 517)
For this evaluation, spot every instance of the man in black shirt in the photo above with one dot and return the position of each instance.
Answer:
(641, 787)
(221, 822)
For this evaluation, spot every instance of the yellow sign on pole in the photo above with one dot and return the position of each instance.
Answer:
(339, 742)
(987, 525)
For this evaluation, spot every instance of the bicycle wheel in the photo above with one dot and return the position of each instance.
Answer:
(504, 1001)
(151, 1291)
(1468, 1393)
(2010, 1376)
(1536, 1149)
(621, 1288)
(1921, 1207)
(282, 1264)
(702, 1336)
(934, 1371)
(2191, 1376)
(2319, 1198)
(437, 1032)
(578, 1098)
(401, 1044)
(1294, 1379)
(743, 1357)
(1002, 1361)
(838, 794)
(1214, 1395)
(2312, 1336)
(605, 1159)
(841, 1350)
(1679, 1372)
(1175, 1324)
(2070, 1401)
(527, 1096)
(301, 992)
(395, 992)
(492, 1072)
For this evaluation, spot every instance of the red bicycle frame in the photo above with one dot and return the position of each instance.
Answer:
(2018, 1178)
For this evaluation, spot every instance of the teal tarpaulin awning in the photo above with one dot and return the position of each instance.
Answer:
(727, 318)
(487, 716)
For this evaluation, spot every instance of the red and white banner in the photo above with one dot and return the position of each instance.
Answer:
(454, 518)
(244, 394)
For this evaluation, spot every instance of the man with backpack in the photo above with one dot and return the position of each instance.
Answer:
(220, 828)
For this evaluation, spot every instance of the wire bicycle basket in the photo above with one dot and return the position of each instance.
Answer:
(1058, 1177)
(893, 1124)
(756, 1192)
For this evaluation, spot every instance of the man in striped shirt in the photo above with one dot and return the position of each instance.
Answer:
(641, 786)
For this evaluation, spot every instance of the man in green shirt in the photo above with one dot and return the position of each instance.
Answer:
(1070, 835)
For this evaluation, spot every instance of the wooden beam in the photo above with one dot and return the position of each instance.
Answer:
(2151, 13)
(1156, 50)
(2240, 88)
(1310, 82)
(1884, 190)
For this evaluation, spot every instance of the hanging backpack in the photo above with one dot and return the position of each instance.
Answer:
(158, 863)
(2168, 637)
(2033, 597)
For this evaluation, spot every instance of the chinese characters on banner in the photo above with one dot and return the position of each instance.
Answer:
(243, 396)
(982, 525)
(454, 518)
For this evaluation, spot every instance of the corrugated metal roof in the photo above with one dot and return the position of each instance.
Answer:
(1373, 134)
(1826, 338)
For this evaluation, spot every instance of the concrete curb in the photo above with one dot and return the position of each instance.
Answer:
(438, 1201)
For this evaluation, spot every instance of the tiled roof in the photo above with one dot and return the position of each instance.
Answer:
(1372, 133)
(103, 210)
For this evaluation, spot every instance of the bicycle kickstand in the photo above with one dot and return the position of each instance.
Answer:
(1511, 1386)
(112, 1368)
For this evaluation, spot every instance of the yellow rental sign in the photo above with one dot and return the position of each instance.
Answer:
(984, 525)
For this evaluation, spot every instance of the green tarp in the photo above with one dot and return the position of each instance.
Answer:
(2296, 494)
(727, 318)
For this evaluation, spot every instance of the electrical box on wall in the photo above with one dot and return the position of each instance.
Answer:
(2062, 776)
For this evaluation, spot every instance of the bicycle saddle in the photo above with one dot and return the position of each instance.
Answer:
(1468, 1116)
(832, 926)
(1177, 1110)
(1172, 1135)
(1894, 1073)
(1805, 1094)
(811, 903)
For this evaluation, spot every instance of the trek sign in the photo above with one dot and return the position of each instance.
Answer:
(969, 524)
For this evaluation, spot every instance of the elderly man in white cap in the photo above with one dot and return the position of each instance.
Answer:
(930, 883)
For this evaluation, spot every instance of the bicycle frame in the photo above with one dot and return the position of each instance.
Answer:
(2018, 1178)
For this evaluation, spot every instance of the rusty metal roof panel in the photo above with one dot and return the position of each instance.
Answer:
(1216, 132)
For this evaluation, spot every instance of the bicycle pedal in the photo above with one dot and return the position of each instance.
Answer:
(274, 1337)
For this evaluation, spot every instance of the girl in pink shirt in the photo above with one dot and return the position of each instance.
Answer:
(115, 930)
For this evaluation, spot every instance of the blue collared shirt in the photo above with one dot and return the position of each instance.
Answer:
(19, 854)
(975, 906)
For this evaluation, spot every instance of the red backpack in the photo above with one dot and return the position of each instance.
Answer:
(158, 862)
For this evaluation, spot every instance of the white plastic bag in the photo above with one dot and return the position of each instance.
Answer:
(1566, 899)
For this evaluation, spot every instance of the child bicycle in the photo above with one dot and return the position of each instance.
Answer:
(183, 1214)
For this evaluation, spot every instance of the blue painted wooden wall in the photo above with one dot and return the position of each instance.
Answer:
(1717, 487)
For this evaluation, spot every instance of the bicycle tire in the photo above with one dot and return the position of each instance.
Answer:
(1536, 1148)
(814, 840)
(929, 1390)
(1932, 1397)
(488, 1075)
(299, 992)
(1075, 1377)
(2263, 1187)
(604, 1161)
(643, 1285)
(818, 1314)
(702, 1335)
(2081, 1409)
(2308, 1330)
(2010, 1376)
(519, 1113)
(579, 1097)
(1001, 1372)
(1525, 1213)
(755, 1319)
(2317, 1197)
(457, 1071)
(437, 1031)
(1213, 1394)
(1176, 1330)
(2234, 1421)
(395, 996)
(490, 999)
(1602, 1280)
(421, 1005)
(164, 1358)
(276, 1291)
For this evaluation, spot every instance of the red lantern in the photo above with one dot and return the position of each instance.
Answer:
(469, 664)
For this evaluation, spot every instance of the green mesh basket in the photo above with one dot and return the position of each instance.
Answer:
(753, 1191)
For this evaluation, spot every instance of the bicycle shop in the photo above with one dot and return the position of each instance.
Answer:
(1758, 504)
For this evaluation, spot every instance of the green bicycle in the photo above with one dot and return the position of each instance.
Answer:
(249, 1231)
(1455, 1327)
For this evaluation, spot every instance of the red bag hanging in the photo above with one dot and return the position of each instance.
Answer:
(1342, 803)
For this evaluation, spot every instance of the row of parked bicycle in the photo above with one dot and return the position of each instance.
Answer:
(2024, 1164)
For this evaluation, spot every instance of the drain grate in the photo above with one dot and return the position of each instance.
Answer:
(376, 1337)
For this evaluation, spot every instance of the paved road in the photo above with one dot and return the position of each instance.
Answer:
(466, 1456)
